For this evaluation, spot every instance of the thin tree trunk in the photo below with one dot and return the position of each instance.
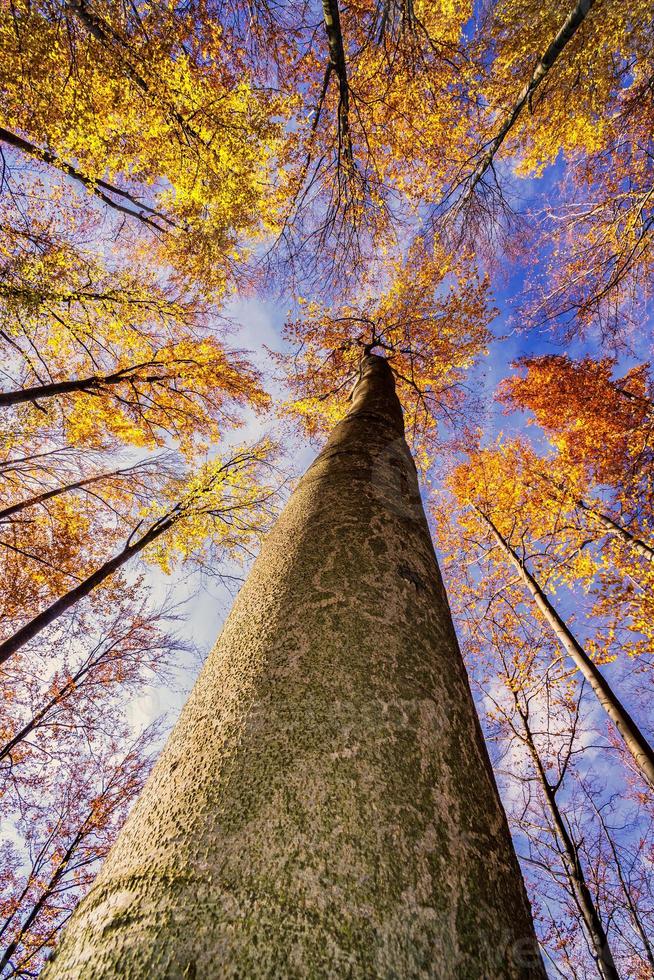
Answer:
(571, 25)
(325, 806)
(69, 688)
(635, 397)
(92, 385)
(48, 890)
(38, 717)
(636, 743)
(67, 601)
(13, 462)
(573, 868)
(332, 20)
(104, 33)
(631, 905)
(101, 188)
(638, 545)
(641, 547)
(41, 498)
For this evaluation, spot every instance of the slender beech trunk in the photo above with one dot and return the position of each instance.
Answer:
(85, 587)
(101, 188)
(325, 806)
(636, 743)
(638, 545)
(633, 396)
(13, 462)
(47, 892)
(102, 31)
(94, 384)
(569, 28)
(37, 719)
(39, 716)
(648, 949)
(573, 868)
(40, 498)
(337, 59)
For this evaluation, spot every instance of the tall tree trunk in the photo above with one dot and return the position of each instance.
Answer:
(636, 743)
(573, 867)
(608, 523)
(325, 806)
(338, 62)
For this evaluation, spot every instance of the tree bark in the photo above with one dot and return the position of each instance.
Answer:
(332, 21)
(573, 868)
(325, 806)
(640, 749)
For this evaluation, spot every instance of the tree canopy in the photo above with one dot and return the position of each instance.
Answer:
(466, 189)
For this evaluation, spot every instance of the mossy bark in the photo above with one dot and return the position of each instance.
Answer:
(325, 805)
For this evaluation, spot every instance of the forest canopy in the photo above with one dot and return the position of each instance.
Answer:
(209, 213)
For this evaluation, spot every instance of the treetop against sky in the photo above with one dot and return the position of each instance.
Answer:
(209, 213)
